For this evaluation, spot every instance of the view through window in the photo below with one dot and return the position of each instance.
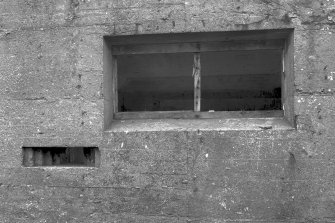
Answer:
(198, 75)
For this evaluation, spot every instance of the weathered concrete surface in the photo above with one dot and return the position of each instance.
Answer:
(51, 94)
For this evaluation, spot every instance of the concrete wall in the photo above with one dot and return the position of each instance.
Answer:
(225, 171)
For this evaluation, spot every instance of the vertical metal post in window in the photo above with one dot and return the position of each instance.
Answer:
(283, 74)
(114, 85)
(197, 81)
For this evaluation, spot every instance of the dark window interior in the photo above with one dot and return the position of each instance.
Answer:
(155, 82)
(230, 81)
(59, 156)
(241, 80)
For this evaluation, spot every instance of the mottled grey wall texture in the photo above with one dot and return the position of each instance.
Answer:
(51, 94)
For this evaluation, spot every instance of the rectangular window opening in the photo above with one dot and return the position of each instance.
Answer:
(60, 156)
(199, 75)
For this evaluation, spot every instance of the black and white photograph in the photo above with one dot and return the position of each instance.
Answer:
(167, 111)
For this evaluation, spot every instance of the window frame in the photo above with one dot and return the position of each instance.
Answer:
(196, 43)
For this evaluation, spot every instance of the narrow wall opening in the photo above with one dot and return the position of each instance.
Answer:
(60, 156)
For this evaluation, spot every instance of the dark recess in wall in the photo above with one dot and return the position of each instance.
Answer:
(60, 156)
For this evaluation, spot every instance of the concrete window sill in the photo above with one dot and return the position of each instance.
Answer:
(229, 124)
